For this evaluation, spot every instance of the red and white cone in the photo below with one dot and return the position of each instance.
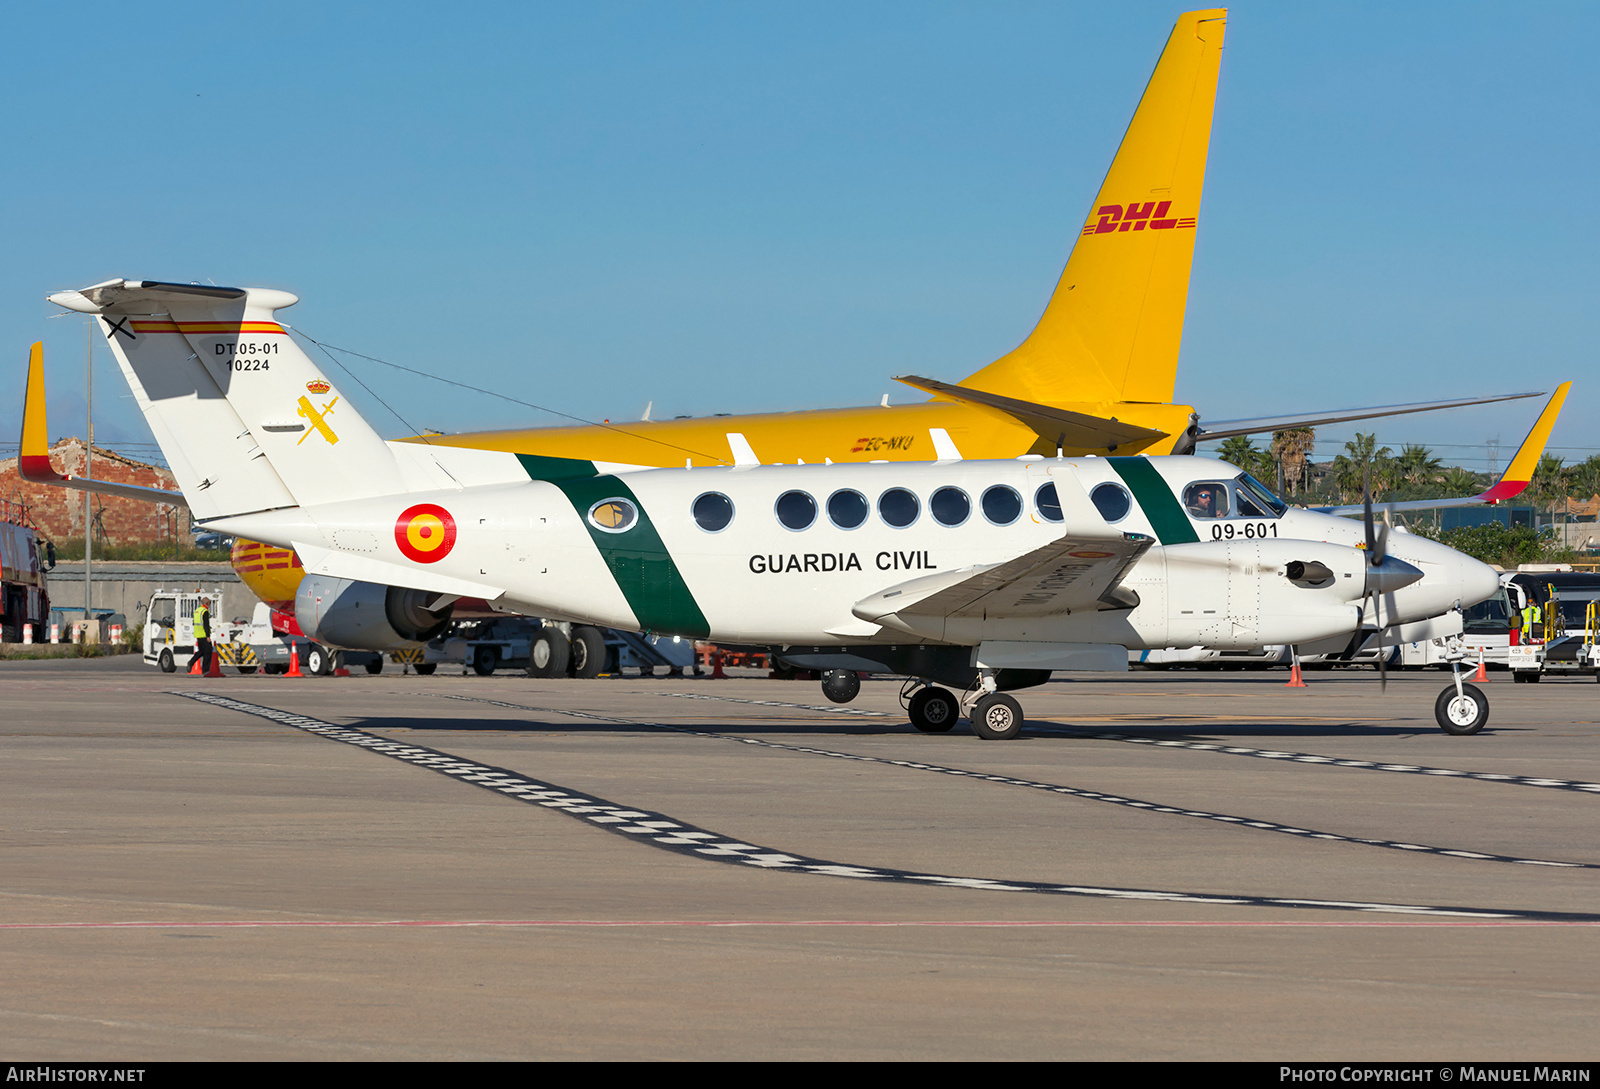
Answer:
(716, 666)
(1482, 676)
(294, 662)
(216, 665)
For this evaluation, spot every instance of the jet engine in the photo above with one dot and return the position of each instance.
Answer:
(367, 616)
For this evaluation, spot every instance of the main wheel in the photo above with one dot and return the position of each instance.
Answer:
(588, 653)
(1462, 715)
(997, 717)
(547, 656)
(166, 662)
(933, 710)
(425, 669)
(841, 685)
(375, 665)
(319, 663)
(484, 659)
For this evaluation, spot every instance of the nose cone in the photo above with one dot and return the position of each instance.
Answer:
(1479, 581)
(1448, 578)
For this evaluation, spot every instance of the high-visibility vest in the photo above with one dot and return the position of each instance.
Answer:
(202, 623)
(1531, 617)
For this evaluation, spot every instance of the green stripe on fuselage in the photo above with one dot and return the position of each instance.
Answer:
(644, 569)
(1155, 498)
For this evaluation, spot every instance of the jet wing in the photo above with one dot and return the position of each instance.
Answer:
(1227, 429)
(1057, 425)
(1073, 574)
(1511, 483)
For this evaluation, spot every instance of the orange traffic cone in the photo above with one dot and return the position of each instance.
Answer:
(1295, 680)
(1482, 676)
(716, 666)
(216, 665)
(294, 661)
(194, 666)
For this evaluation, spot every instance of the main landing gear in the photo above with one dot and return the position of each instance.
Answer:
(994, 715)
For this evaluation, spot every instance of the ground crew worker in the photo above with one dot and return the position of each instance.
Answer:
(1532, 617)
(202, 636)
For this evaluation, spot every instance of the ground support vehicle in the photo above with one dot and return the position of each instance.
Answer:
(24, 592)
(547, 648)
(1566, 642)
(260, 643)
(1210, 658)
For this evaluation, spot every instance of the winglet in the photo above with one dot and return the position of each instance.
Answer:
(1520, 471)
(1512, 482)
(33, 459)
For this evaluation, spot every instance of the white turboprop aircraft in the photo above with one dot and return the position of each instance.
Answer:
(981, 575)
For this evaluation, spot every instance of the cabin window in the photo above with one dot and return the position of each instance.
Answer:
(613, 515)
(1047, 503)
(1207, 500)
(796, 510)
(1112, 501)
(950, 506)
(898, 507)
(712, 512)
(847, 509)
(1002, 505)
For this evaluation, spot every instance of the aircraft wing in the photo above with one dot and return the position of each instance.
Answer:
(33, 461)
(1076, 429)
(1227, 429)
(1073, 574)
(1511, 482)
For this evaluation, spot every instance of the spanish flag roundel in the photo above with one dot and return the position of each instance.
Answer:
(425, 533)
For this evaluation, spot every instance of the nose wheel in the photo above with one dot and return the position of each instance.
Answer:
(1461, 710)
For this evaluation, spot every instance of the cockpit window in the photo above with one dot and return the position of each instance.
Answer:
(1207, 500)
(1257, 497)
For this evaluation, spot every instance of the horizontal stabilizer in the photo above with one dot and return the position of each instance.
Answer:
(33, 460)
(1057, 426)
(1512, 482)
(1227, 429)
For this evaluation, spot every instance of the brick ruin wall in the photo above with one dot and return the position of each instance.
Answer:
(58, 512)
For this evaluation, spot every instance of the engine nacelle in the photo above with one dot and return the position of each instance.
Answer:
(365, 615)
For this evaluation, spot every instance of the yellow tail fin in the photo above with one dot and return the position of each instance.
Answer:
(1114, 324)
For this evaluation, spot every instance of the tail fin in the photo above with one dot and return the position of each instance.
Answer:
(246, 421)
(1114, 324)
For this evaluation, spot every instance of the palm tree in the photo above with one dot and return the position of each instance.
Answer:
(1550, 482)
(1362, 462)
(1290, 449)
(1241, 451)
(1416, 469)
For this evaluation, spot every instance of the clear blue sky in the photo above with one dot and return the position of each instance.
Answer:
(747, 207)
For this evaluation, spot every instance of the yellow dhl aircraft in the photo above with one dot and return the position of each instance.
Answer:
(1096, 376)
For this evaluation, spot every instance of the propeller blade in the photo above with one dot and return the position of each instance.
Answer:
(1366, 518)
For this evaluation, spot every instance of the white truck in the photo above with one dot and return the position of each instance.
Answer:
(244, 645)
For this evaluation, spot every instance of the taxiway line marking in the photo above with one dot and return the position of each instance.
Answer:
(976, 924)
(659, 830)
(1057, 788)
(1233, 750)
